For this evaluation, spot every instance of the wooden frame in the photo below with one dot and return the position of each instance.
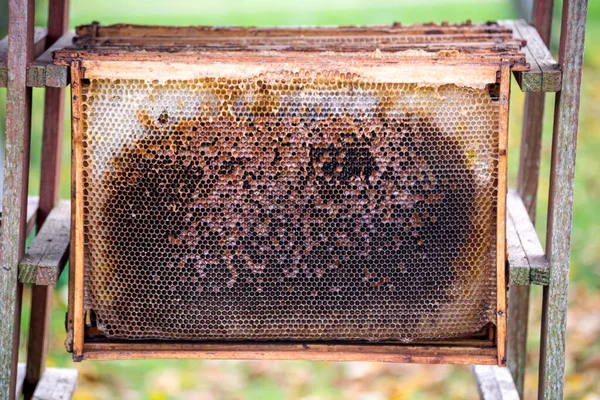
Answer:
(460, 70)
(566, 114)
(25, 44)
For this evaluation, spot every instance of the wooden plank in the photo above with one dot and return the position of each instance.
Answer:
(32, 212)
(535, 258)
(39, 44)
(43, 73)
(516, 345)
(53, 131)
(77, 258)
(501, 213)
(551, 74)
(560, 208)
(56, 384)
(119, 30)
(292, 351)
(527, 188)
(253, 65)
(16, 179)
(544, 74)
(46, 257)
(494, 383)
(20, 380)
(531, 146)
(517, 260)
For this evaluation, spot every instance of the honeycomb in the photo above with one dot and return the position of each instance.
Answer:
(289, 206)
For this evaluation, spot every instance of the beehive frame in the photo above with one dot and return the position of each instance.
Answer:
(25, 46)
(470, 68)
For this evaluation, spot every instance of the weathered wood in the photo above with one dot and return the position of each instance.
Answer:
(531, 146)
(527, 187)
(96, 30)
(488, 43)
(46, 257)
(43, 73)
(517, 260)
(533, 268)
(16, 179)
(544, 74)
(494, 383)
(32, 212)
(41, 296)
(560, 208)
(56, 384)
(39, 44)
(20, 380)
(293, 351)
(417, 71)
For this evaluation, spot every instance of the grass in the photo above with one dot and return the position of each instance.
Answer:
(186, 379)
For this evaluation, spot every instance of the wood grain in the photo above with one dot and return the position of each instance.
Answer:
(527, 188)
(560, 208)
(544, 74)
(16, 179)
(517, 260)
(46, 257)
(39, 45)
(422, 71)
(56, 384)
(501, 213)
(494, 383)
(41, 296)
(43, 73)
(534, 261)
(293, 351)
(77, 259)
(96, 30)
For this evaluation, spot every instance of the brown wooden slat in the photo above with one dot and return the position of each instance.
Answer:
(42, 72)
(48, 254)
(479, 42)
(544, 74)
(291, 351)
(527, 238)
(52, 139)
(39, 44)
(494, 383)
(56, 384)
(96, 30)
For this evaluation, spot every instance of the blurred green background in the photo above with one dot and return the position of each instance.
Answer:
(194, 379)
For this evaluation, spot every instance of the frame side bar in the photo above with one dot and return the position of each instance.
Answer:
(501, 213)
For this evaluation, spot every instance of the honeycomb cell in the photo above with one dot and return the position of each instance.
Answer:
(313, 205)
